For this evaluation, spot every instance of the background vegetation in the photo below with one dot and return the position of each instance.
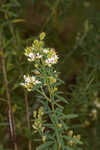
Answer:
(73, 29)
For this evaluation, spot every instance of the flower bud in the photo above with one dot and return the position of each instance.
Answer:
(43, 139)
(78, 137)
(70, 133)
(36, 42)
(59, 125)
(86, 123)
(34, 114)
(42, 36)
(70, 143)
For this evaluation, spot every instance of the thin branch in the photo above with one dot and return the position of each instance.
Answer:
(10, 112)
(28, 118)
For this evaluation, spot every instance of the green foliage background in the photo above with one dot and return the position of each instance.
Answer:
(73, 29)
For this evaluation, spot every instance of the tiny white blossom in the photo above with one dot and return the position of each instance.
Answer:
(45, 51)
(38, 82)
(27, 79)
(33, 78)
(97, 104)
(31, 57)
(22, 84)
(38, 56)
(52, 60)
(30, 82)
(94, 111)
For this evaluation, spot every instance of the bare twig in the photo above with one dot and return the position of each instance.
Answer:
(28, 118)
(10, 112)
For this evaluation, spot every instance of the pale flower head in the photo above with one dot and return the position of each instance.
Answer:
(38, 56)
(33, 78)
(30, 82)
(27, 79)
(45, 50)
(31, 57)
(51, 60)
(37, 82)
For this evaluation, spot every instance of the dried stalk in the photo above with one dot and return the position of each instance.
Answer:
(10, 112)
(28, 118)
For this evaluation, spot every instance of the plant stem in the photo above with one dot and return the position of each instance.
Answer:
(10, 112)
(52, 105)
(28, 118)
(51, 96)
(59, 146)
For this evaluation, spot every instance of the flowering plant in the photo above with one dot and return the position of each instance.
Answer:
(49, 120)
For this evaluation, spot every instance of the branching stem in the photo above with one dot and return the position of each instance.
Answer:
(10, 112)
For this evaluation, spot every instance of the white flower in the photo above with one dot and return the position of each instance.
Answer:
(45, 51)
(56, 57)
(33, 78)
(27, 79)
(38, 56)
(52, 60)
(31, 57)
(22, 84)
(30, 82)
(37, 82)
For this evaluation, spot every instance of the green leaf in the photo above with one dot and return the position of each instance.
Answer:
(71, 116)
(61, 107)
(55, 146)
(68, 148)
(62, 99)
(77, 141)
(67, 137)
(44, 146)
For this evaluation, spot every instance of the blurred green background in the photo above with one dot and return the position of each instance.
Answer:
(72, 28)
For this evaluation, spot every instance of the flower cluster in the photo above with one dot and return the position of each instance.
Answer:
(75, 139)
(38, 123)
(30, 82)
(37, 52)
(40, 57)
(93, 114)
(52, 58)
(32, 56)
